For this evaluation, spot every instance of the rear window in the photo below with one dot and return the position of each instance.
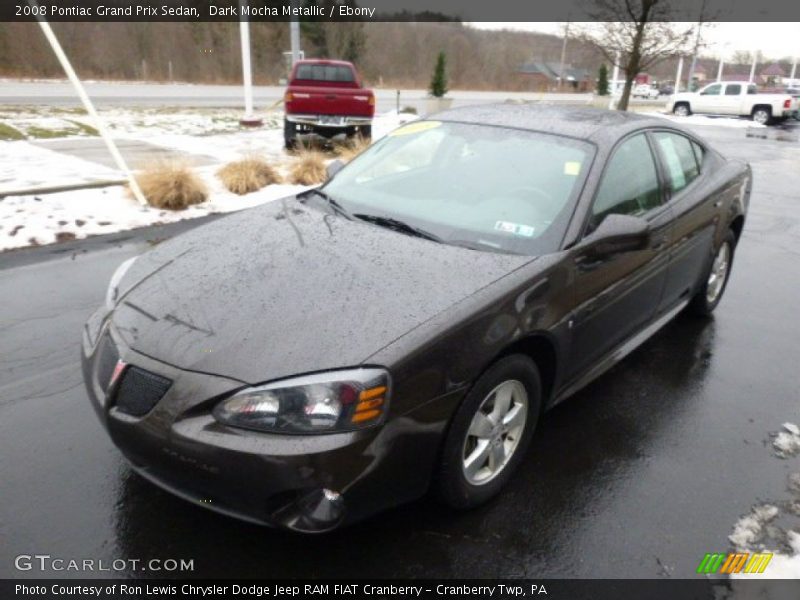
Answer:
(335, 73)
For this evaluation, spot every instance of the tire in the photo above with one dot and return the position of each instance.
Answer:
(710, 293)
(365, 131)
(289, 135)
(762, 115)
(681, 109)
(461, 487)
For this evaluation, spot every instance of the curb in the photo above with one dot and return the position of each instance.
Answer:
(62, 188)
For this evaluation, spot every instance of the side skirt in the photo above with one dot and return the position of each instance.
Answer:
(620, 352)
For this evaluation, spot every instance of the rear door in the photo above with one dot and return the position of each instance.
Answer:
(618, 295)
(731, 99)
(694, 212)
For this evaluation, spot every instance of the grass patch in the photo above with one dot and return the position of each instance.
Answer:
(42, 133)
(171, 185)
(9, 133)
(247, 175)
(84, 129)
(308, 168)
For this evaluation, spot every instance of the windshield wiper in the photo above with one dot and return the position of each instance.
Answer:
(400, 226)
(333, 203)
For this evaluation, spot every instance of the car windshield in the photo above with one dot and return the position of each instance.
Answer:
(484, 187)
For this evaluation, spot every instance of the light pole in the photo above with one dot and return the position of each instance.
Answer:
(249, 119)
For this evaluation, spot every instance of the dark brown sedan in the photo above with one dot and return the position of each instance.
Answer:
(309, 362)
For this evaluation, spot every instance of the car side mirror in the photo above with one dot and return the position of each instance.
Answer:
(334, 167)
(616, 234)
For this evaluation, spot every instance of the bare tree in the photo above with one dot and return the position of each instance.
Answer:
(635, 35)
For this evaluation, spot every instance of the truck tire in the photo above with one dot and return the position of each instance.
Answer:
(762, 115)
(681, 109)
(289, 135)
(365, 132)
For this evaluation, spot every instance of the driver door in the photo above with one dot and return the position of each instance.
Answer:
(709, 100)
(618, 295)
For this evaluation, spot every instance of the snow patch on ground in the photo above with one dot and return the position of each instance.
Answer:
(25, 166)
(691, 120)
(787, 443)
(32, 219)
(748, 529)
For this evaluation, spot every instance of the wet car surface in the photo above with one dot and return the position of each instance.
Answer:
(639, 474)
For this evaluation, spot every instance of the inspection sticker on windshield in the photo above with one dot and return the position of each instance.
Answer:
(415, 128)
(572, 167)
(514, 228)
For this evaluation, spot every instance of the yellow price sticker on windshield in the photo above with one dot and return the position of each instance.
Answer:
(416, 128)
(572, 167)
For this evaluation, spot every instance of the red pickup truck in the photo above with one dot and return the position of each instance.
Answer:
(325, 98)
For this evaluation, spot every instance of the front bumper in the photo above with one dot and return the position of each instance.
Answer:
(304, 483)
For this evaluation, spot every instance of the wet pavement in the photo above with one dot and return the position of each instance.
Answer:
(638, 475)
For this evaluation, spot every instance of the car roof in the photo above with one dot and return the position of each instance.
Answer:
(323, 61)
(592, 124)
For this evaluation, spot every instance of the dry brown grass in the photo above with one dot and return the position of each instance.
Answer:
(248, 175)
(308, 168)
(352, 148)
(171, 185)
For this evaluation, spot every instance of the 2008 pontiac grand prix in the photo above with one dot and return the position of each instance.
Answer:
(311, 361)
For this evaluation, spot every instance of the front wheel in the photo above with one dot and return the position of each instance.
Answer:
(490, 432)
(710, 293)
(681, 110)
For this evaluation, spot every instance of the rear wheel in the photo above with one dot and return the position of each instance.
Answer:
(710, 293)
(681, 110)
(365, 132)
(490, 432)
(289, 135)
(762, 115)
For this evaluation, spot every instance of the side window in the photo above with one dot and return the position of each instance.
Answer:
(712, 90)
(752, 89)
(733, 89)
(630, 183)
(679, 158)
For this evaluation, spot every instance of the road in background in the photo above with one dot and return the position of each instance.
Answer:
(639, 475)
(128, 95)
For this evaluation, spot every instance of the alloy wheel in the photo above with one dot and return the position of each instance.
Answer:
(719, 273)
(495, 432)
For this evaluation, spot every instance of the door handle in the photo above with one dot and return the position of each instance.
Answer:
(659, 243)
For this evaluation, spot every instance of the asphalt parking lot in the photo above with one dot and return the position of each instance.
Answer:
(639, 475)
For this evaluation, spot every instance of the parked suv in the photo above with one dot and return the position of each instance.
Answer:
(326, 99)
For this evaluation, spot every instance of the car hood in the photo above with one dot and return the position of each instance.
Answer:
(286, 288)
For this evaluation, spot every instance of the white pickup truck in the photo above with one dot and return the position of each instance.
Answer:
(735, 98)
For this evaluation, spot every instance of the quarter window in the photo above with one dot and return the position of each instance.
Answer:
(630, 184)
(679, 158)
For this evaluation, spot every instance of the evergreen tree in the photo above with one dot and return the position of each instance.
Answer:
(438, 86)
(602, 81)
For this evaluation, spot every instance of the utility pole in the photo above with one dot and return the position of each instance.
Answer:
(97, 122)
(719, 70)
(678, 75)
(753, 67)
(249, 119)
(563, 56)
(614, 76)
(693, 64)
(794, 68)
(294, 34)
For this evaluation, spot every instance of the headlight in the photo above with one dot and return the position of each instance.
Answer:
(112, 293)
(326, 402)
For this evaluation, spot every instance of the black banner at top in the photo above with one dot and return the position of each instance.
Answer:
(390, 10)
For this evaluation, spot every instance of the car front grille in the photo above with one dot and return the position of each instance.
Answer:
(107, 361)
(139, 391)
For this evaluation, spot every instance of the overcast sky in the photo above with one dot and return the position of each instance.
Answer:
(775, 40)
